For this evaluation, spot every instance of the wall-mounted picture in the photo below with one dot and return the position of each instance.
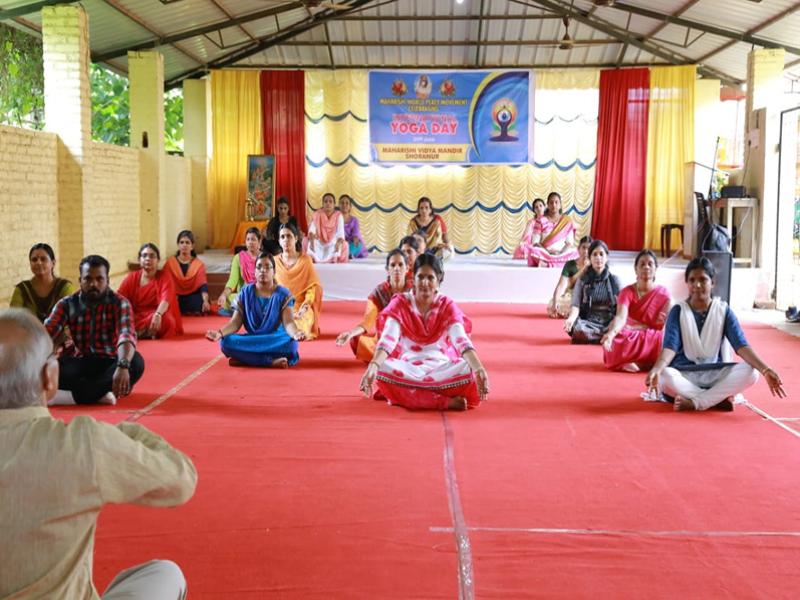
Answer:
(260, 187)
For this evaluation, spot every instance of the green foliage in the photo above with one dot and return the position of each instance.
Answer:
(22, 94)
(111, 107)
(21, 79)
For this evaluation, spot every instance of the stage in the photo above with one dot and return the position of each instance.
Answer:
(480, 278)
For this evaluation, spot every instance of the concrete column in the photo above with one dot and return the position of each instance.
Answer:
(68, 113)
(146, 74)
(765, 99)
(196, 148)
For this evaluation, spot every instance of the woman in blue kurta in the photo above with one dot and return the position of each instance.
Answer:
(265, 310)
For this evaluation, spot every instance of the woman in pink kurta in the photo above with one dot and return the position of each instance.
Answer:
(326, 237)
(553, 239)
(633, 340)
(424, 358)
(522, 250)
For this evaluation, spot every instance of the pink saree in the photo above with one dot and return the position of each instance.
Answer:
(525, 244)
(554, 239)
(640, 340)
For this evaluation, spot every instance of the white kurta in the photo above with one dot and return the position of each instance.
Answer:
(326, 252)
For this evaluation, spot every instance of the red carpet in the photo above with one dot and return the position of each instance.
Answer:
(567, 484)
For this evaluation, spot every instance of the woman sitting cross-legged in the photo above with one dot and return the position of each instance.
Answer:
(362, 337)
(424, 357)
(594, 299)
(561, 302)
(633, 340)
(525, 244)
(152, 296)
(326, 241)
(243, 271)
(433, 227)
(295, 271)
(553, 240)
(189, 277)
(352, 231)
(40, 293)
(695, 369)
(265, 310)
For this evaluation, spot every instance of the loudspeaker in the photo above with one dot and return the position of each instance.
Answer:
(723, 263)
(733, 191)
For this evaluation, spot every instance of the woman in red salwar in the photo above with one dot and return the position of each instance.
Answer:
(151, 293)
(424, 358)
(633, 340)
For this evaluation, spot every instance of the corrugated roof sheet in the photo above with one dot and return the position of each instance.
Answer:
(439, 33)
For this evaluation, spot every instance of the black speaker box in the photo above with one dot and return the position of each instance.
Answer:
(723, 263)
(733, 191)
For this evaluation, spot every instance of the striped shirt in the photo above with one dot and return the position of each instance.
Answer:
(96, 330)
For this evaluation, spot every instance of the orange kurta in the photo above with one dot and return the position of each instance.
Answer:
(302, 281)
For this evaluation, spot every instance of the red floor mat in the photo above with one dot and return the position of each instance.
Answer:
(308, 490)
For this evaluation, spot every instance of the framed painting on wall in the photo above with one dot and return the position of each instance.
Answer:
(260, 187)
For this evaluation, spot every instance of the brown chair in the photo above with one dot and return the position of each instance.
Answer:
(666, 237)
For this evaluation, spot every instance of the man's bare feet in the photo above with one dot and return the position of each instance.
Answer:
(726, 405)
(235, 363)
(280, 363)
(109, 398)
(457, 403)
(631, 368)
(682, 404)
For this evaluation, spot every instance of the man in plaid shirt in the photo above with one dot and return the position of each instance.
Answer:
(105, 364)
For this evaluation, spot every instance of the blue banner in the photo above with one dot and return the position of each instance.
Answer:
(465, 117)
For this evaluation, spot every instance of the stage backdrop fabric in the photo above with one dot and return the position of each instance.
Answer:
(670, 146)
(283, 105)
(485, 207)
(236, 131)
(464, 117)
(619, 191)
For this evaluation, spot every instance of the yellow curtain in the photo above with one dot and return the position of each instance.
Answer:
(487, 205)
(670, 145)
(236, 131)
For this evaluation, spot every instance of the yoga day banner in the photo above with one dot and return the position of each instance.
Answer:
(466, 117)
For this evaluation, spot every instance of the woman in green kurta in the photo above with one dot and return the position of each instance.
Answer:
(243, 270)
(40, 293)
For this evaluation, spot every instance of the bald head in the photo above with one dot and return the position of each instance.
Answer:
(24, 349)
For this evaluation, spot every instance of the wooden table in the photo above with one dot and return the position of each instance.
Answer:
(726, 206)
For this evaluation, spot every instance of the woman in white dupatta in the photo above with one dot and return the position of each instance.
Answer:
(695, 367)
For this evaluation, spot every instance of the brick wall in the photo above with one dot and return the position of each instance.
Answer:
(178, 193)
(28, 203)
(111, 211)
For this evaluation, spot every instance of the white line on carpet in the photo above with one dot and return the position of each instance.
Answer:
(622, 532)
(466, 589)
(174, 390)
(769, 417)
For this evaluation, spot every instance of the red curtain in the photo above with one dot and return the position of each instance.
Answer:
(283, 123)
(618, 216)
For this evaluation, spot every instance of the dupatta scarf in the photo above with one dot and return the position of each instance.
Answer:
(194, 279)
(433, 231)
(560, 233)
(443, 313)
(649, 311)
(262, 317)
(247, 266)
(145, 298)
(326, 225)
(300, 278)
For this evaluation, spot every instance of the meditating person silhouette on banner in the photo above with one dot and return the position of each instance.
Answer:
(695, 370)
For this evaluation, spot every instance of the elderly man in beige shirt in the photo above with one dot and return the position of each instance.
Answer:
(55, 478)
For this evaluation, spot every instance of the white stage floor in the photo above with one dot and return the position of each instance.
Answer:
(479, 278)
